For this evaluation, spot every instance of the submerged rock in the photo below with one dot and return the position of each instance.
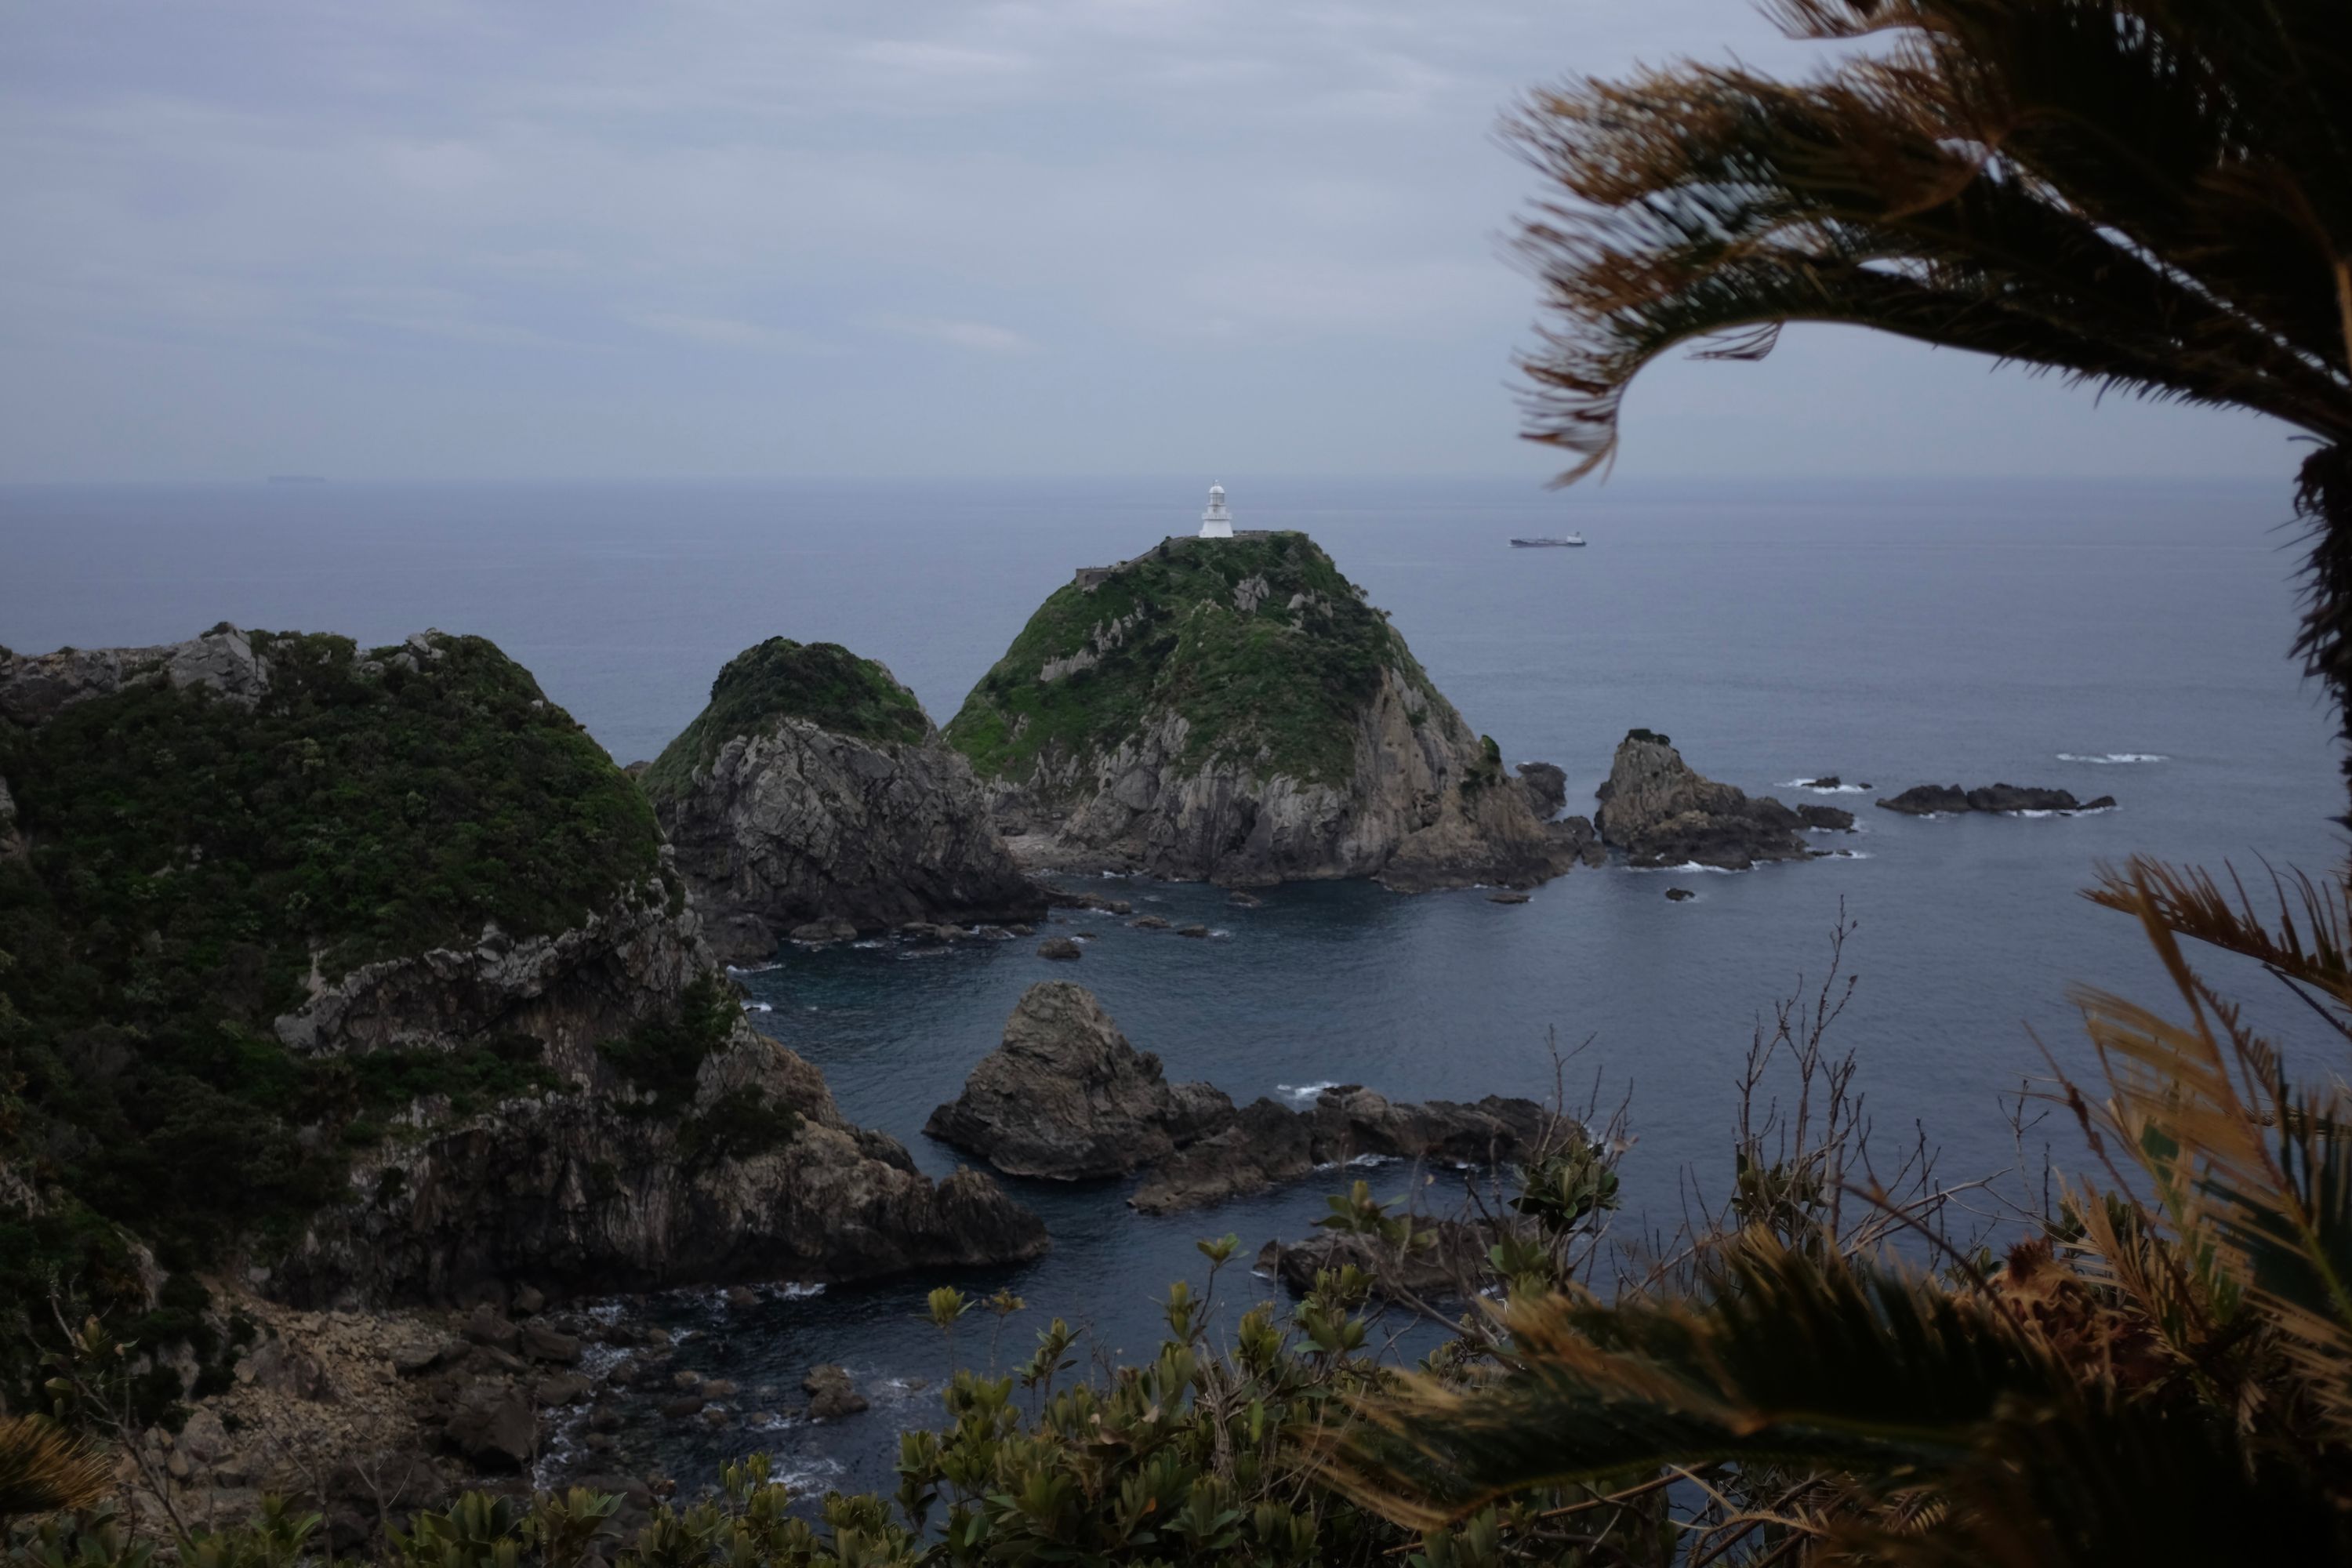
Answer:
(1268, 1143)
(831, 1393)
(1232, 710)
(812, 793)
(1065, 1096)
(1062, 948)
(1941, 800)
(1662, 812)
(1677, 895)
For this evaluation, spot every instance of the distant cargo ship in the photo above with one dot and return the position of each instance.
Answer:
(1571, 541)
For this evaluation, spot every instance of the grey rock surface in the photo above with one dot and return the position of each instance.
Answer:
(1065, 1096)
(1662, 812)
(36, 686)
(794, 828)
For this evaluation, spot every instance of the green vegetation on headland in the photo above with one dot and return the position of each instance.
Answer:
(1258, 643)
(192, 864)
(821, 683)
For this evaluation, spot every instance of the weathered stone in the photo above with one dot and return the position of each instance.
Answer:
(564, 1388)
(831, 1393)
(543, 1343)
(1661, 812)
(1506, 897)
(791, 827)
(493, 1427)
(1195, 932)
(1065, 1096)
(1148, 923)
(485, 1327)
(1060, 947)
(37, 687)
(1677, 895)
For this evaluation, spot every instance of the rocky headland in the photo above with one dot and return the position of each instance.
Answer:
(1662, 812)
(1949, 800)
(364, 977)
(1066, 1097)
(814, 798)
(1233, 710)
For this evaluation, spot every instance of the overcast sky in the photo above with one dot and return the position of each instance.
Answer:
(509, 238)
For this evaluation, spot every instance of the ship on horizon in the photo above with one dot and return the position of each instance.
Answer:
(1565, 542)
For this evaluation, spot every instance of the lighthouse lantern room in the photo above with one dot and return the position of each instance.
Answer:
(1216, 522)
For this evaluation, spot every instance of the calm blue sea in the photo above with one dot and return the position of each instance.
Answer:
(1895, 633)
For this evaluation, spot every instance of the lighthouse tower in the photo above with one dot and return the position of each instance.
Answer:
(1216, 522)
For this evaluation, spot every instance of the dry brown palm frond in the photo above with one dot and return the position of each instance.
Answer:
(2244, 1167)
(44, 1468)
(2308, 946)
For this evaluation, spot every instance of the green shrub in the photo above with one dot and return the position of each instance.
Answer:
(824, 683)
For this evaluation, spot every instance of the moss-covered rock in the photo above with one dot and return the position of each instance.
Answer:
(1235, 709)
(813, 794)
(821, 683)
(279, 915)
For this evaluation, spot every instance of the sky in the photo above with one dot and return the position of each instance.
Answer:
(513, 239)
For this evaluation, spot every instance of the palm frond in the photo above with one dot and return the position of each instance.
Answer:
(2241, 1161)
(1795, 1360)
(44, 1468)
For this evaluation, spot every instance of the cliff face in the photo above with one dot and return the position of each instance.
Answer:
(1233, 710)
(367, 972)
(813, 789)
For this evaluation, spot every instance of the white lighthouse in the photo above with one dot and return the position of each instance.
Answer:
(1216, 522)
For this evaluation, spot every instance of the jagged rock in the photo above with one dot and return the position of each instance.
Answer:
(1268, 1143)
(1155, 716)
(594, 1198)
(1939, 800)
(812, 931)
(1825, 818)
(1148, 923)
(1661, 812)
(1196, 931)
(1545, 787)
(831, 1393)
(1065, 1096)
(1060, 947)
(485, 1327)
(1827, 781)
(529, 1300)
(813, 789)
(34, 687)
(1450, 1263)
(1677, 895)
(493, 1426)
(543, 1343)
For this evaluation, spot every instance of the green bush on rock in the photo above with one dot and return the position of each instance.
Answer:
(824, 683)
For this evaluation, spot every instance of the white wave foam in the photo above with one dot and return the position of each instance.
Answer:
(1303, 1094)
(2112, 759)
(870, 941)
(1688, 868)
(755, 969)
(759, 1007)
(1812, 787)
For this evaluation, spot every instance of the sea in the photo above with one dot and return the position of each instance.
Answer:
(2125, 638)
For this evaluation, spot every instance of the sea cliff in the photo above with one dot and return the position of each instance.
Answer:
(1233, 709)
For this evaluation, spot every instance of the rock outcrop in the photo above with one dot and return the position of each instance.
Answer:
(481, 1041)
(1662, 812)
(1065, 1096)
(1232, 710)
(37, 687)
(1269, 1143)
(1943, 800)
(813, 792)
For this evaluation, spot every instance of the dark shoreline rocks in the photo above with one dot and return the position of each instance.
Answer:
(1951, 800)
(1662, 812)
(1269, 1143)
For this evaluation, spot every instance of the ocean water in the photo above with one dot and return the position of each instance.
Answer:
(2118, 639)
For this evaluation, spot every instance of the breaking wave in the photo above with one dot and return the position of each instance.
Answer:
(1303, 1094)
(2109, 759)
